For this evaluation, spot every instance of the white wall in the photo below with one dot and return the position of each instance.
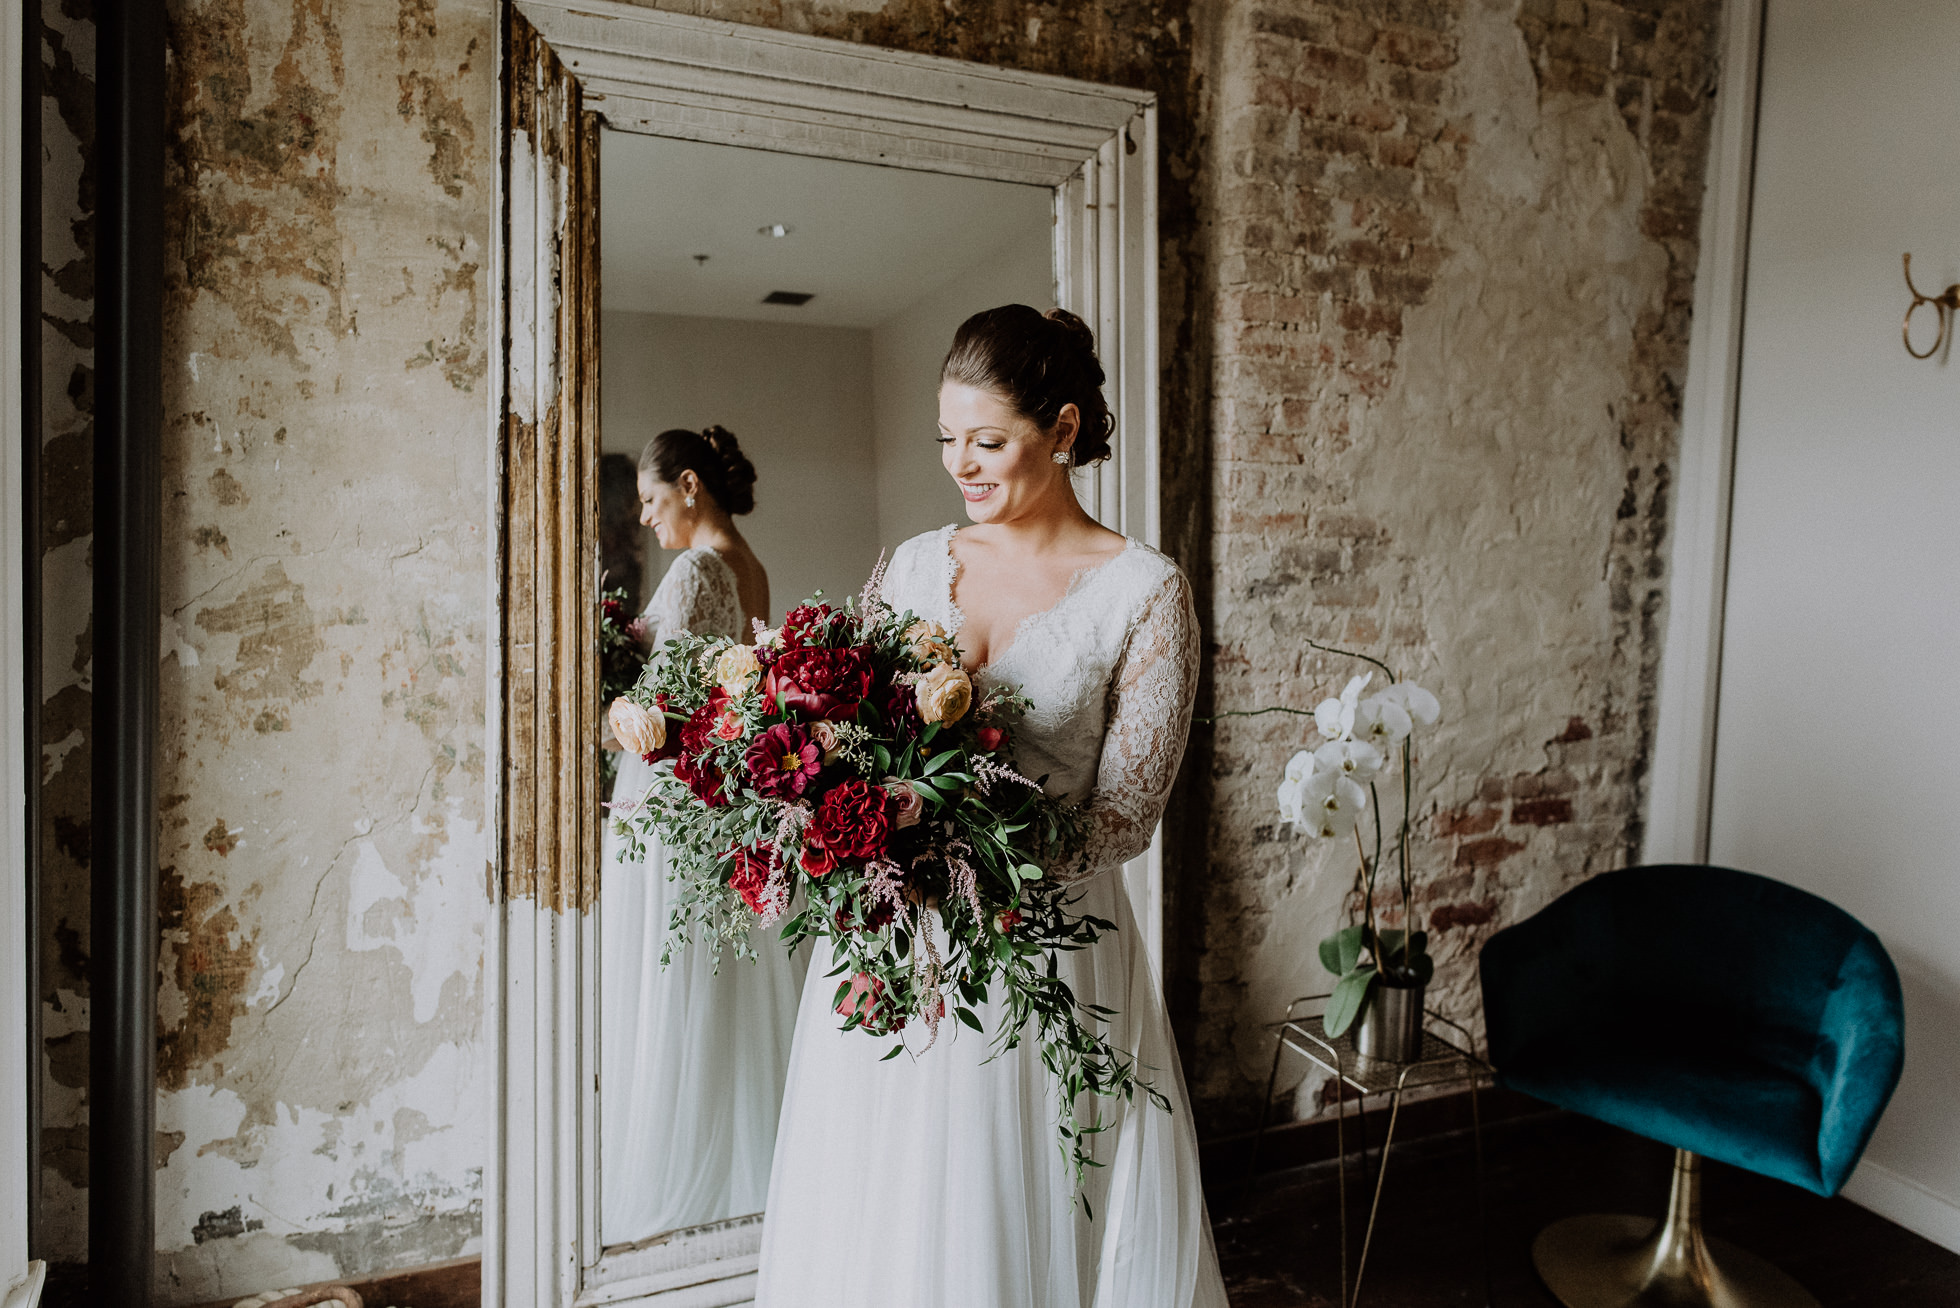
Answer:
(914, 492)
(1837, 760)
(798, 399)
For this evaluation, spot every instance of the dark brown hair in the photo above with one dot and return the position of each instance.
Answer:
(710, 454)
(1037, 363)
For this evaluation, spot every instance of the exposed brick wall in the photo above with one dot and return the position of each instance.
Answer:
(1454, 243)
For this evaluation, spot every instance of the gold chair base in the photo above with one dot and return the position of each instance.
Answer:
(1603, 1261)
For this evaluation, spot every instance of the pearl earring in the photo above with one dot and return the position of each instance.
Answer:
(690, 501)
(1061, 456)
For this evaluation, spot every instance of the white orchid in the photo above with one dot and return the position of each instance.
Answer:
(1300, 766)
(1335, 717)
(1418, 703)
(1321, 802)
(1382, 722)
(1351, 758)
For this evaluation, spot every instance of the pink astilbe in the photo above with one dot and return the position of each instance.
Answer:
(872, 598)
(882, 882)
(986, 772)
(966, 882)
(925, 976)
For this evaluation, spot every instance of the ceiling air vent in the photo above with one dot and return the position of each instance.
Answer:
(789, 297)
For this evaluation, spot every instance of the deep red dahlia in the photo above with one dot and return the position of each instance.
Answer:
(782, 760)
(853, 821)
(820, 683)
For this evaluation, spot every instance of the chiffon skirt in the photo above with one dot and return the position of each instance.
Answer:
(938, 1182)
(692, 1060)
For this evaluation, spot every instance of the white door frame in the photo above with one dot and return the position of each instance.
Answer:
(1683, 773)
(665, 74)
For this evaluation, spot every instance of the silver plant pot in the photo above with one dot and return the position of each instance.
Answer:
(1390, 1025)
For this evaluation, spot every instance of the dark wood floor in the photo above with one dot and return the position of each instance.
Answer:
(1278, 1234)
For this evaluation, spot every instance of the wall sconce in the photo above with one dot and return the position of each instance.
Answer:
(1944, 304)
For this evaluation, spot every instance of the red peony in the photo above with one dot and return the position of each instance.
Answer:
(819, 683)
(704, 779)
(697, 734)
(809, 625)
(750, 877)
(852, 822)
(991, 738)
(782, 760)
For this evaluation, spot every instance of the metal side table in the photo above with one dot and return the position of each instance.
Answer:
(1448, 1056)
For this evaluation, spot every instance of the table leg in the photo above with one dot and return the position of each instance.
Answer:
(1266, 1104)
(1483, 1217)
(1340, 1153)
(1381, 1182)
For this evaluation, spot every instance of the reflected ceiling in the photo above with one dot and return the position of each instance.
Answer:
(865, 242)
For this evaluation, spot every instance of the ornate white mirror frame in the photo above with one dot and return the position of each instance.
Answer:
(568, 71)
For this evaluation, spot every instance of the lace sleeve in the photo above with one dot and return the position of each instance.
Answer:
(697, 595)
(1150, 699)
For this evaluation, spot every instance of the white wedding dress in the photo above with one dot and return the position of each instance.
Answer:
(937, 1181)
(692, 1059)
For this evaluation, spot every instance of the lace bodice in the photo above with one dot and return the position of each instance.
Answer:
(1111, 671)
(697, 595)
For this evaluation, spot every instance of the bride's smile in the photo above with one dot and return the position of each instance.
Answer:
(1004, 463)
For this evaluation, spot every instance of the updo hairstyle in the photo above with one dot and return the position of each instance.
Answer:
(710, 454)
(1037, 363)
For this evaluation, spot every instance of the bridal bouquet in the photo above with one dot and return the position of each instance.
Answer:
(844, 765)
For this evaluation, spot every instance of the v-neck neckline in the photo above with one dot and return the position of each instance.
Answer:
(956, 616)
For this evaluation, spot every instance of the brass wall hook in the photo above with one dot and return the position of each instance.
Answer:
(1944, 304)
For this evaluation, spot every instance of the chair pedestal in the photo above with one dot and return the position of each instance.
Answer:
(1602, 1261)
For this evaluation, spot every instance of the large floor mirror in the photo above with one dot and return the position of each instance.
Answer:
(775, 235)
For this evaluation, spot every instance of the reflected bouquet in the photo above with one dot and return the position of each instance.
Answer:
(842, 777)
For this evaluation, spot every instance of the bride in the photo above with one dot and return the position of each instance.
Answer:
(693, 1057)
(937, 1181)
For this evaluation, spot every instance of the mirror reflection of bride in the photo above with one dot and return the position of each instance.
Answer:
(695, 1055)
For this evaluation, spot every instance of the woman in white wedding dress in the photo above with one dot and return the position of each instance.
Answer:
(692, 1058)
(937, 1181)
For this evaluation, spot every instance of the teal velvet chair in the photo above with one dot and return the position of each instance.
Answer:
(1723, 1013)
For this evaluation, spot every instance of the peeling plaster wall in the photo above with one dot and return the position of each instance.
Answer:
(323, 1100)
(1455, 252)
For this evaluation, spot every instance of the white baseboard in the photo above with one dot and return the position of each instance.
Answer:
(1899, 1199)
(26, 1292)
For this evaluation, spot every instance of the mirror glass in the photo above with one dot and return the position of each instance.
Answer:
(804, 305)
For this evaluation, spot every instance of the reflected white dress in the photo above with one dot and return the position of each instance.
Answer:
(937, 1182)
(691, 1060)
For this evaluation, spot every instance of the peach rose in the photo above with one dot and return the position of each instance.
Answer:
(736, 669)
(929, 642)
(825, 734)
(945, 694)
(640, 730)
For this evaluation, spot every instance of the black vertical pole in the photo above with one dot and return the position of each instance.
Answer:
(30, 565)
(128, 513)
